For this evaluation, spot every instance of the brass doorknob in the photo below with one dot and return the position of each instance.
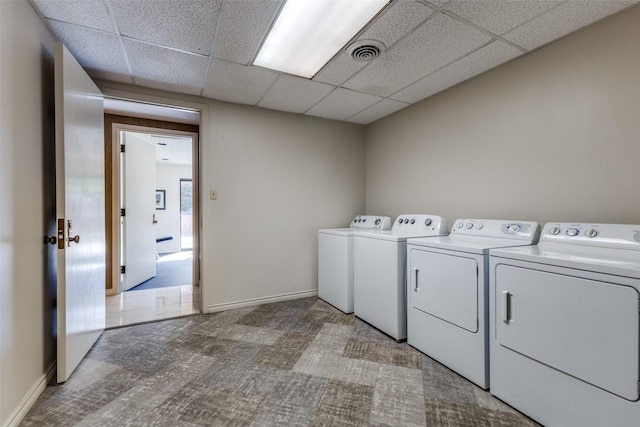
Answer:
(52, 240)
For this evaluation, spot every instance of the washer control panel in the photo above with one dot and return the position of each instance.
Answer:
(619, 236)
(371, 221)
(505, 229)
(420, 222)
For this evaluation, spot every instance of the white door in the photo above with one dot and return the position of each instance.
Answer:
(586, 328)
(445, 286)
(80, 212)
(139, 187)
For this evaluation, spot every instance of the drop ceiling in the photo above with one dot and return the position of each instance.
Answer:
(205, 47)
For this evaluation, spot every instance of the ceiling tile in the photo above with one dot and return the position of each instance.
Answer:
(569, 17)
(184, 25)
(342, 103)
(438, 42)
(242, 26)
(92, 14)
(397, 20)
(479, 61)
(166, 69)
(499, 16)
(98, 52)
(377, 111)
(436, 3)
(294, 94)
(233, 82)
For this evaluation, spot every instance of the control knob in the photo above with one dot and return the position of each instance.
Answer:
(378, 221)
(554, 231)
(591, 232)
(479, 226)
(459, 224)
(413, 221)
(572, 232)
(513, 228)
(427, 222)
(469, 226)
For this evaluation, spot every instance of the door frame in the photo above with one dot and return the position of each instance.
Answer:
(113, 262)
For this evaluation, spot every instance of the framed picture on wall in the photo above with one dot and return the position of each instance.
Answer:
(161, 203)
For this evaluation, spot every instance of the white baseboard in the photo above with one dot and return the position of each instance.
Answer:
(259, 301)
(30, 398)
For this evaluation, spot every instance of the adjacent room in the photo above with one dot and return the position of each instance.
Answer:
(429, 219)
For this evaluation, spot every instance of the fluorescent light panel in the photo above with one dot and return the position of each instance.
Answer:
(308, 33)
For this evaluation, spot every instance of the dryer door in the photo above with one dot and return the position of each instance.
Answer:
(584, 328)
(445, 286)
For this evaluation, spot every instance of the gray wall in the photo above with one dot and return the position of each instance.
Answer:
(552, 136)
(26, 206)
(279, 178)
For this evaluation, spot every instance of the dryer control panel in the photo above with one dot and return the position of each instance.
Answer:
(497, 228)
(371, 222)
(614, 236)
(420, 222)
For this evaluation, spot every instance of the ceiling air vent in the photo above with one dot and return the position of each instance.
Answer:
(365, 50)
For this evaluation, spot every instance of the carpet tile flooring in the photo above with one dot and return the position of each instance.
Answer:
(292, 363)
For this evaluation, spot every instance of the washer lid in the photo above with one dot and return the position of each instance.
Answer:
(468, 244)
(346, 232)
(399, 236)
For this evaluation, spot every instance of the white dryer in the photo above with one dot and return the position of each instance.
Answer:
(565, 325)
(448, 292)
(379, 266)
(335, 259)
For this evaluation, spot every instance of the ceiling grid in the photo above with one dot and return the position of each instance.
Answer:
(206, 47)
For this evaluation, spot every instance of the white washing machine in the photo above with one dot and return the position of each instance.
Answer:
(379, 266)
(565, 325)
(448, 292)
(335, 259)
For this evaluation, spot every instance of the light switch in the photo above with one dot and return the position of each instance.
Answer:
(213, 194)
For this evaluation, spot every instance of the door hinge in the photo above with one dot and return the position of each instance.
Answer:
(122, 212)
(122, 148)
(123, 269)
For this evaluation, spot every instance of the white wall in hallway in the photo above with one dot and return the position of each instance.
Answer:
(168, 177)
(551, 136)
(27, 294)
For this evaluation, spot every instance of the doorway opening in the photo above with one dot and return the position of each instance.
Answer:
(154, 271)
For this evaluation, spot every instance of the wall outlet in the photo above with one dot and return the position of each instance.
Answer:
(213, 194)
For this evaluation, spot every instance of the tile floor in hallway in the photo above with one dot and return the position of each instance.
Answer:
(292, 363)
(127, 308)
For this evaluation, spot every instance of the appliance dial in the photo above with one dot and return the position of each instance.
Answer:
(460, 224)
(378, 221)
(513, 228)
(469, 226)
(591, 233)
(413, 221)
(572, 231)
(479, 226)
(427, 222)
(400, 220)
(555, 231)
(364, 220)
